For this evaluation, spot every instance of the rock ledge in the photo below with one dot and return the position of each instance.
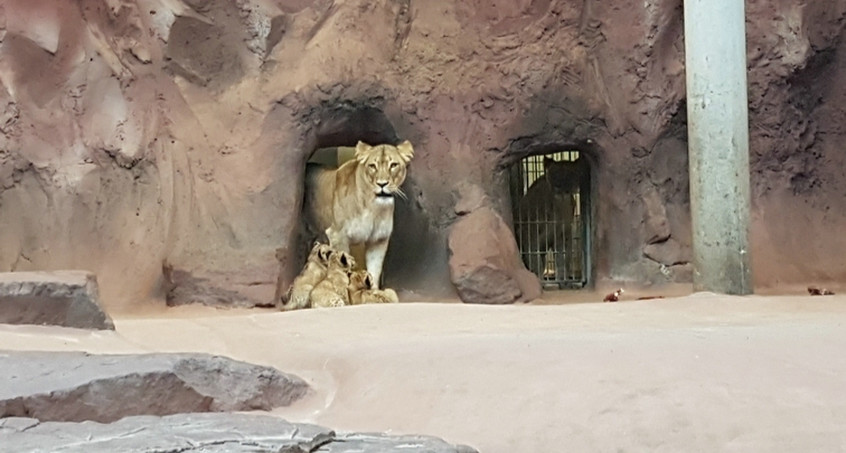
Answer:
(71, 386)
(61, 298)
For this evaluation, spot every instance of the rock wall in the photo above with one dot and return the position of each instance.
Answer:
(136, 135)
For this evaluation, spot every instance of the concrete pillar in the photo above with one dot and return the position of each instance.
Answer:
(718, 144)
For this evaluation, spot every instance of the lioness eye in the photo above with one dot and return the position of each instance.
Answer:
(371, 166)
(394, 165)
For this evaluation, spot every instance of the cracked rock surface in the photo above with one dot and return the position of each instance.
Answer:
(75, 386)
(203, 432)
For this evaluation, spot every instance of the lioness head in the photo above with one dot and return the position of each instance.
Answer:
(383, 168)
(564, 176)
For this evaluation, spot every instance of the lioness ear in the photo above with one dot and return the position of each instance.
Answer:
(406, 151)
(361, 150)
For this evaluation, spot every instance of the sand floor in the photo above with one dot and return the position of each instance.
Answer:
(694, 373)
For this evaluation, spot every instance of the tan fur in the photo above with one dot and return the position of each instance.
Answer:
(362, 292)
(549, 199)
(355, 203)
(332, 290)
(280, 297)
(313, 273)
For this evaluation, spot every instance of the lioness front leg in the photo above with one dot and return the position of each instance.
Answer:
(338, 240)
(375, 257)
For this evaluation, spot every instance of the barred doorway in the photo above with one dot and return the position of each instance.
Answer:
(550, 197)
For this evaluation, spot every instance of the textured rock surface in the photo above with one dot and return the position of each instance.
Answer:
(203, 432)
(60, 298)
(668, 253)
(220, 290)
(151, 132)
(77, 386)
(484, 262)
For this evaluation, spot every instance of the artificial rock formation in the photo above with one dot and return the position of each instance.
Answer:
(485, 265)
(135, 134)
(70, 386)
(205, 433)
(61, 298)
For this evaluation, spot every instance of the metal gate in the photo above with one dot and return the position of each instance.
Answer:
(551, 206)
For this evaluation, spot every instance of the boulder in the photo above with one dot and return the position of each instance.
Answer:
(484, 262)
(75, 386)
(61, 298)
(231, 433)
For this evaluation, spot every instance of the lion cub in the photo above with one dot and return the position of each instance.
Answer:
(362, 292)
(332, 291)
(314, 272)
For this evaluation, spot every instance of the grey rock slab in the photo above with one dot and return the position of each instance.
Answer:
(373, 442)
(203, 433)
(71, 386)
(61, 298)
(173, 433)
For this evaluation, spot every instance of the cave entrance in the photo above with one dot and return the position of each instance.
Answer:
(551, 205)
(334, 156)
(339, 129)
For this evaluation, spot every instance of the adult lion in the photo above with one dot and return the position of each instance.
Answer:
(545, 215)
(354, 204)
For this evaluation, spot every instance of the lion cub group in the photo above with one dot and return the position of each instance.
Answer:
(328, 280)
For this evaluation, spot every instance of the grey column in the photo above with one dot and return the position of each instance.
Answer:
(718, 144)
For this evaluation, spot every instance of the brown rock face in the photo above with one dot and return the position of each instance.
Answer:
(176, 132)
(61, 298)
(669, 253)
(484, 262)
(59, 386)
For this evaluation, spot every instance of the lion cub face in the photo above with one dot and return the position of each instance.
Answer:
(361, 280)
(320, 254)
(341, 261)
(385, 168)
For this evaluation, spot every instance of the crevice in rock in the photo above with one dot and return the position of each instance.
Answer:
(402, 25)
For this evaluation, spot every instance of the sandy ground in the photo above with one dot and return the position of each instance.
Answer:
(695, 373)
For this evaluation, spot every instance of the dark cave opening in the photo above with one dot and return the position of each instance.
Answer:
(338, 131)
(345, 125)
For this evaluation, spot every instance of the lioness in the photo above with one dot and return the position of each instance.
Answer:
(355, 203)
(545, 213)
